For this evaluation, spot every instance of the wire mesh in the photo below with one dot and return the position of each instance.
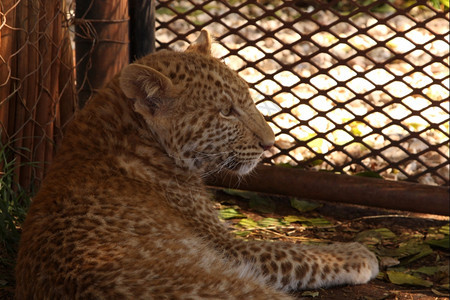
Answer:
(43, 78)
(356, 87)
(37, 94)
(348, 86)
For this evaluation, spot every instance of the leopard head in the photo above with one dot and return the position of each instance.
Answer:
(199, 110)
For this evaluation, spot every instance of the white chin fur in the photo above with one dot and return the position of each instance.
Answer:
(247, 167)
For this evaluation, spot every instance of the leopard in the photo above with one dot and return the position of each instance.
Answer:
(124, 211)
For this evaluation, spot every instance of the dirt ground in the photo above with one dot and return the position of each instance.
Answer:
(345, 223)
(255, 216)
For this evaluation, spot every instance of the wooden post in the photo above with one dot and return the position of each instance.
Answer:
(32, 84)
(6, 50)
(68, 97)
(102, 43)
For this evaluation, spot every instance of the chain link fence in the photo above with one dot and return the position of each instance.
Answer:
(37, 84)
(54, 54)
(347, 86)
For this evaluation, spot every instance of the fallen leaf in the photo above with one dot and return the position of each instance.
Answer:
(248, 223)
(310, 294)
(431, 270)
(375, 236)
(242, 233)
(304, 205)
(318, 222)
(409, 252)
(406, 279)
(442, 243)
(445, 229)
(293, 219)
(381, 275)
(230, 213)
(256, 201)
(261, 204)
(266, 222)
(424, 250)
(369, 174)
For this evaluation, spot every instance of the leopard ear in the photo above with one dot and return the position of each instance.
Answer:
(202, 44)
(141, 82)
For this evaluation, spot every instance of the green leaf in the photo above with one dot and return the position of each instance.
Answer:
(385, 233)
(317, 144)
(424, 250)
(304, 205)
(436, 3)
(406, 250)
(383, 8)
(375, 236)
(230, 213)
(316, 162)
(442, 243)
(406, 279)
(242, 233)
(257, 202)
(248, 223)
(318, 222)
(355, 127)
(293, 219)
(445, 229)
(369, 174)
(310, 294)
(285, 165)
(381, 275)
(262, 204)
(266, 222)
(431, 270)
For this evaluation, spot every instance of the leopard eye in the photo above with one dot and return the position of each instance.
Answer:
(228, 112)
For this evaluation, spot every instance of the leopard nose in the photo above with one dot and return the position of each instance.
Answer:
(266, 146)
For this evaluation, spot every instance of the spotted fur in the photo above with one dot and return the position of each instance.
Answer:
(124, 213)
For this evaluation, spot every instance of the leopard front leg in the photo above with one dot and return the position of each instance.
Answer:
(286, 266)
(293, 266)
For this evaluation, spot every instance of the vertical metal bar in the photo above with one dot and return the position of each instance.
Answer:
(142, 28)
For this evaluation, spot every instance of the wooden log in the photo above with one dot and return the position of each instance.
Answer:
(6, 50)
(341, 188)
(44, 99)
(102, 44)
(24, 60)
(67, 98)
(31, 112)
